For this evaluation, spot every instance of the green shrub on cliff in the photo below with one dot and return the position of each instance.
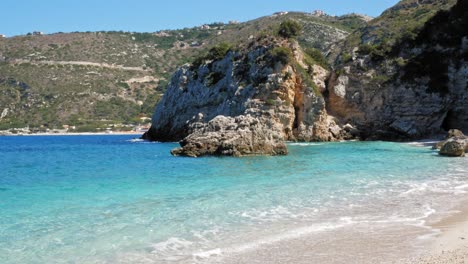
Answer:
(289, 29)
(217, 52)
(376, 51)
(346, 57)
(280, 54)
(317, 57)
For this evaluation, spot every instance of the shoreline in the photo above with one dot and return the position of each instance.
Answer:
(121, 133)
(384, 229)
(450, 246)
(439, 239)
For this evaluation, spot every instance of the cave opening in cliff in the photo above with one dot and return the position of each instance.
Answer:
(296, 117)
(450, 121)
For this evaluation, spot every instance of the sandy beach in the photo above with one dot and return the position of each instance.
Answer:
(441, 239)
(448, 244)
(451, 246)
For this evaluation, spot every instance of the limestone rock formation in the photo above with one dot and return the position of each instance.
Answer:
(266, 81)
(388, 82)
(229, 136)
(411, 86)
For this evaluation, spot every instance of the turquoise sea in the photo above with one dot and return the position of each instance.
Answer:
(115, 199)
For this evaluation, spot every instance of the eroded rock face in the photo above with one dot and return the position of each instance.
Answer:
(209, 106)
(417, 90)
(229, 136)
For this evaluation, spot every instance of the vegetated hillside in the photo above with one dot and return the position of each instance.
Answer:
(94, 79)
(404, 76)
(86, 79)
(396, 25)
(402, 21)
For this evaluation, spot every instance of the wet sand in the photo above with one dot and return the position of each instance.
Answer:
(451, 246)
(438, 241)
(444, 242)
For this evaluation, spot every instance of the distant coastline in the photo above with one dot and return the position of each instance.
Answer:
(119, 133)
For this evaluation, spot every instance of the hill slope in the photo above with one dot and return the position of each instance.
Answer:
(94, 79)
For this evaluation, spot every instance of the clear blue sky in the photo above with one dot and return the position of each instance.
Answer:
(21, 16)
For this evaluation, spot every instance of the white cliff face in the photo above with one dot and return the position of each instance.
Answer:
(339, 89)
(243, 85)
(191, 96)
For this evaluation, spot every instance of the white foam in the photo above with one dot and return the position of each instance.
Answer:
(464, 186)
(170, 245)
(136, 140)
(435, 232)
(207, 254)
(423, 143)
(275, 213)
(305, 144)
(291, 234)
(436, 187)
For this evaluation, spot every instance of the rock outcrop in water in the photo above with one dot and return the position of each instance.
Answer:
(246, 103)
(233, 136)
(454, 148)
(455, 144)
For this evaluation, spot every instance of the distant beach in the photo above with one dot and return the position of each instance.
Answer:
(77, 134)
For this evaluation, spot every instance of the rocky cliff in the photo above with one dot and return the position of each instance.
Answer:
(247, 102)
(402, 77)
(409, 86)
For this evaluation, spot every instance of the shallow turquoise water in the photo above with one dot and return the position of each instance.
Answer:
(111, 199)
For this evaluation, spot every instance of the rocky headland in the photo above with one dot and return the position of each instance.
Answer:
(246, 102)
(249, 99)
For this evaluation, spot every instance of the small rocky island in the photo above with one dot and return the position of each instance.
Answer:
(251, 98)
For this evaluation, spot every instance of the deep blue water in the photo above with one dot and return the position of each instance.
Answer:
(111, 199)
